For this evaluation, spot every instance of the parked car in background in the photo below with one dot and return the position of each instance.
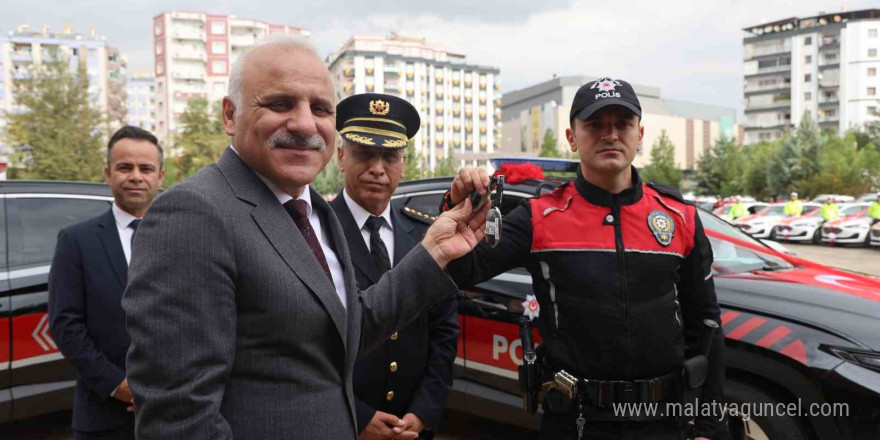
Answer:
(761, 223)
(803, 228)
(751, 206)
(875, 235)
(822, 198)
(34, 377)
(867, 197)
(851, 228)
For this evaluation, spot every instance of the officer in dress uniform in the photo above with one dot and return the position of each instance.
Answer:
(410, 375)
(621, 270)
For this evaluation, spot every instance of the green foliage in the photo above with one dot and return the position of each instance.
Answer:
(201, 142)
(446, 167)
(57, 132)
(662, 168)
(330, 180)
(808, 161)
(413, 168)
(548, 146)
(721, 170)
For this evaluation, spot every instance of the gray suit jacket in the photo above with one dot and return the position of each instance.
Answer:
(236, 331)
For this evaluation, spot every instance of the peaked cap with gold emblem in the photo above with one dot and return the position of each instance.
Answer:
(377, 120)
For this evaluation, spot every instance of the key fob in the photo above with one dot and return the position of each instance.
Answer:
(493, 227)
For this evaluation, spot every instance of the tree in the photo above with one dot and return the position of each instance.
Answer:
(662, 168)
(797, 159)
(202, 140)
(413, 166)
(721, 169)
(446, 167)
(548, 146)
(755, 182)
(330, 180)
(57, 133)
(843, 168)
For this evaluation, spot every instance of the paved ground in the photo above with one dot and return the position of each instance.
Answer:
(858, 259)
(458, 426)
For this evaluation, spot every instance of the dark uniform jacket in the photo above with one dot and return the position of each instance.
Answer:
(416, 362)
(623, 281)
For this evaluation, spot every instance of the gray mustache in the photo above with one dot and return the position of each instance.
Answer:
(284, 137)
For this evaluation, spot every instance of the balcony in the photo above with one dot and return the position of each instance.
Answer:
(21, 56)
(242, 40)
(829, 83)
(188, 34)
(190, 55)
(775, 88)
(768, 51)
(188, 74)
(829, 43)
(767, 127)
(391, 86)
(763, 107)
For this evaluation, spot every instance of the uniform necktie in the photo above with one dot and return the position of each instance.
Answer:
(377, 247)
(299, 212)
(134, 228)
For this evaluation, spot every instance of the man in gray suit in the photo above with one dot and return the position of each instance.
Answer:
(242, 305)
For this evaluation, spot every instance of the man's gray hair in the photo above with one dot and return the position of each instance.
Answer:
(234, 92)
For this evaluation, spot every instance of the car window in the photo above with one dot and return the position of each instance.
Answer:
(33, 225)
(850, 210)
(774, 210)
(731, 257)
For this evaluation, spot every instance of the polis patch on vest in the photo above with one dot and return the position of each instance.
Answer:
(662, 226)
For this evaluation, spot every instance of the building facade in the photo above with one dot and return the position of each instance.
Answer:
(825, 66)
(528, 113)
(193, 53)
(459, 103)
(105, 66)
(141, 100)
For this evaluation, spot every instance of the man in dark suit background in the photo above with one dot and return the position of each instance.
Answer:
(88, 275)
(242, 306)
(409, 375)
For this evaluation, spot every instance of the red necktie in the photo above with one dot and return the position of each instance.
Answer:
(299, 212)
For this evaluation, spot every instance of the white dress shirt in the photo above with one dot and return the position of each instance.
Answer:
(123, 219)
(323, 237)
(386, 232)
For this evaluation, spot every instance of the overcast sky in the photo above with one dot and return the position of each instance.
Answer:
(691, 49)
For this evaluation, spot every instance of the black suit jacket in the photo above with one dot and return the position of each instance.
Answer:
(86, 319)
(423, 351)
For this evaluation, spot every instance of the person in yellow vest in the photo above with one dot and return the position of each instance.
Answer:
(874, 210)
(830, 211)
(738, 210)
(794, 207)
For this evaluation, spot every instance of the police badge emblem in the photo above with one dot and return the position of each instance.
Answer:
(662, 226)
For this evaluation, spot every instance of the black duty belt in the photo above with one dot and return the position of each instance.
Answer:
(604, 393)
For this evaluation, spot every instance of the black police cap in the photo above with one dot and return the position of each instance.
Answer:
(602, 93)
(377, 120)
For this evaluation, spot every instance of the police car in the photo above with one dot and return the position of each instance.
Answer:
(34, 377)
(852, 227)
(802, 228)
(761, 223)
(875, 235)
(796, 331)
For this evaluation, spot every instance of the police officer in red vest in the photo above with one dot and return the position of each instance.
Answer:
(622, 272)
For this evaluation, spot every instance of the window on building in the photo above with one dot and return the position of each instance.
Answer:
(872, 33)
(218, 28)
(218, 47)
(872, 71)
(872, 91)
(218, 66)
(808, 59)
(160, 68)
(160, 48)
(831, 56)
(808, 96)
(159, 28)
(808, 41)
(872, 53)
(872, 110)
(830, 113)
(808, 77)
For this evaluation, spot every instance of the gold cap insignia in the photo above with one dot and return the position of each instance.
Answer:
(379, 107)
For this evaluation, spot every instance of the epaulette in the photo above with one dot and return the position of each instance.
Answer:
(670, 191)
(419, 216)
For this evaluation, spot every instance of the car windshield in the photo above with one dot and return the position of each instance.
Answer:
(850, 210)
(731, 257)
(773, 210)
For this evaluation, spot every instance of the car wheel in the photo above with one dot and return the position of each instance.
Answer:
(817, 236)
(774, 236)
(774, 427)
